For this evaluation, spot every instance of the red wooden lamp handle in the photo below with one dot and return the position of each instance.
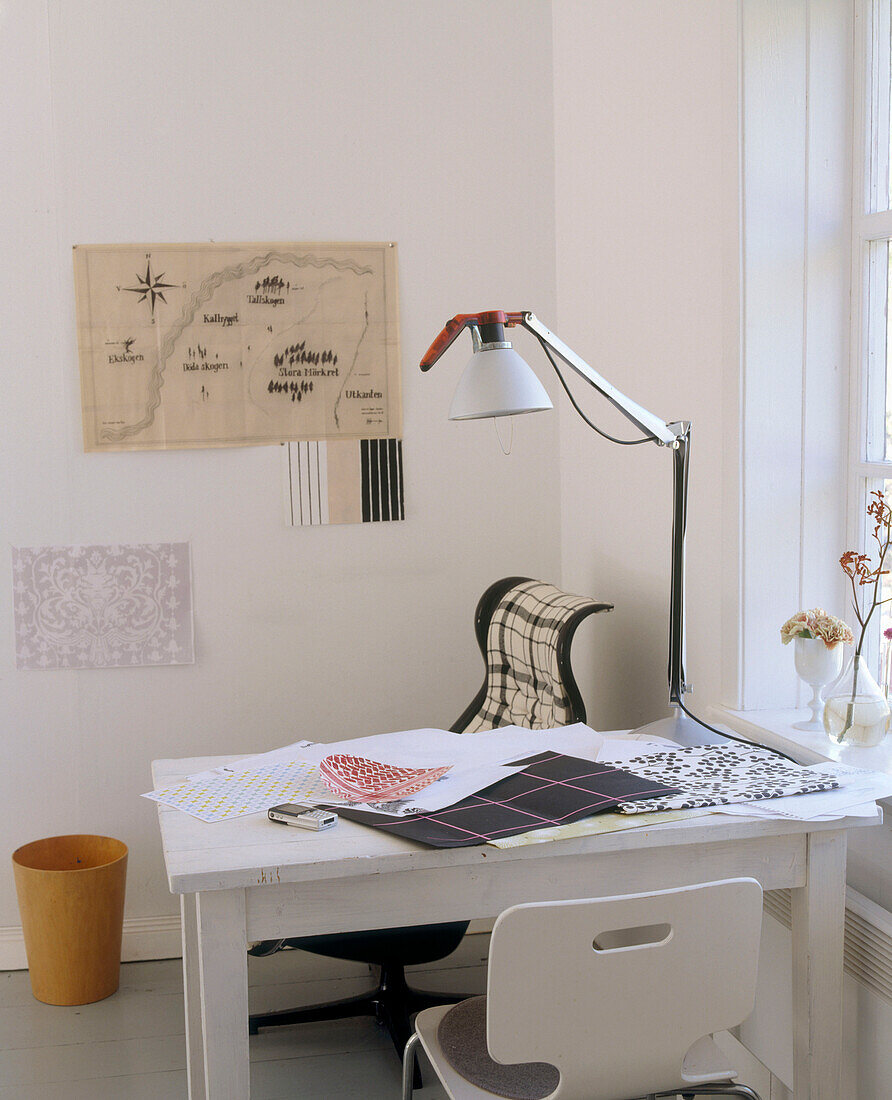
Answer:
(452, 328)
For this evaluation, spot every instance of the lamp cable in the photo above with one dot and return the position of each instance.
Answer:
(573, 402)
(733, 737)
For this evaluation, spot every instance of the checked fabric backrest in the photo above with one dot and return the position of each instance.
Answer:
(525, 628)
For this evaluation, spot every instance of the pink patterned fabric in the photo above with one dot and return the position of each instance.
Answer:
(361, 780)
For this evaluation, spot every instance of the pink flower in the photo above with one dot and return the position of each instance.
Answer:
(816, 623)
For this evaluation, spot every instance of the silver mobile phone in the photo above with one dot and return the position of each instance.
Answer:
(290, 814)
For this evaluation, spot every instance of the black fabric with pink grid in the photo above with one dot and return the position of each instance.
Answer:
(551, 790)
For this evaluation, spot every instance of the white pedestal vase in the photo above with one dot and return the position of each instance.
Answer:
(817, 666)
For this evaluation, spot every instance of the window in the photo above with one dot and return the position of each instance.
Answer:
(871, 402)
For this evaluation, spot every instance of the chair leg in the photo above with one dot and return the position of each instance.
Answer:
(714, 1090)
(410, 1067)
(363, 1005)
(395, 1004)
(419, 999)
(392, 1003)
(391, 1015)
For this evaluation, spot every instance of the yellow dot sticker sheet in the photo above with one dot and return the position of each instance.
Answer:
(227, 793)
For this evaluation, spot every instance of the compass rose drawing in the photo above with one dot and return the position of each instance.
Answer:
(150, 287)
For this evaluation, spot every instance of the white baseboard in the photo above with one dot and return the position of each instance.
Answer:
(143, 938)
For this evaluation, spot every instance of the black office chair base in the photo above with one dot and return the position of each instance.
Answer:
(393, 1003)
(715, 1090)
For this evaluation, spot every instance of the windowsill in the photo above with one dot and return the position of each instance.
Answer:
(775, 729)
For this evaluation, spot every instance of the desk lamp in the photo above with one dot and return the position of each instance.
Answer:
(498, 382)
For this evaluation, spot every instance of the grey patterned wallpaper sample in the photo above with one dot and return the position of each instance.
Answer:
(103, 606)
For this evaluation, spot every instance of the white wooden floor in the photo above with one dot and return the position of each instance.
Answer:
(131, 1046)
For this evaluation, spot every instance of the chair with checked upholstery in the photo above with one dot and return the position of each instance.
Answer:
(604, 999)
(524, 629)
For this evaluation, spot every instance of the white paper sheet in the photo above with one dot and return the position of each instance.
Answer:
(866, 809)
(620, 749)
(785, 808)
(857, 789)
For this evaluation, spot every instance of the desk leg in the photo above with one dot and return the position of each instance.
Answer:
(818, 910)
(192, 997)
(222, 964)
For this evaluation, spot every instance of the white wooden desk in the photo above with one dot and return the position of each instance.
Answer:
(249, 879)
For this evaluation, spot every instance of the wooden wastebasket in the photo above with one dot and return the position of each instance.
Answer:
(71, 900)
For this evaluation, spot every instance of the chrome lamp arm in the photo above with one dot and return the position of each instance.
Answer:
(676, 435)
(661, 432)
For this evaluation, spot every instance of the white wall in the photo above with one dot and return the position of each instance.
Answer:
(425, 123)
(647, 276)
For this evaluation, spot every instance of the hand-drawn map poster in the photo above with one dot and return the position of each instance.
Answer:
(221, 345)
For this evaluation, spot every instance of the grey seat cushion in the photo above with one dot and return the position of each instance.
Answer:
(462, 1036)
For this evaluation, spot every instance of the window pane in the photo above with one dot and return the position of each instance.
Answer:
(882, 123)
(875, 645)
(878, 104)
(882, 79)
(875, 354)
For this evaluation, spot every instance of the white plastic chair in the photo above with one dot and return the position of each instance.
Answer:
(620, 994)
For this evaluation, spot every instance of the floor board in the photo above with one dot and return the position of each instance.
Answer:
(131, 1046)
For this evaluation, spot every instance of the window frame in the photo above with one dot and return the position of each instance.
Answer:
(794, 399)
(871, 225)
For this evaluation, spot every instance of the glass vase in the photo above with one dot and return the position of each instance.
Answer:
(855, 710)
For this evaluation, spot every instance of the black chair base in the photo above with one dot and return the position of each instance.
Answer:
(393, 1003)
(714, 1090)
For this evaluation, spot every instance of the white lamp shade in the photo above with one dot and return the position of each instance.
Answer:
(497, 382)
